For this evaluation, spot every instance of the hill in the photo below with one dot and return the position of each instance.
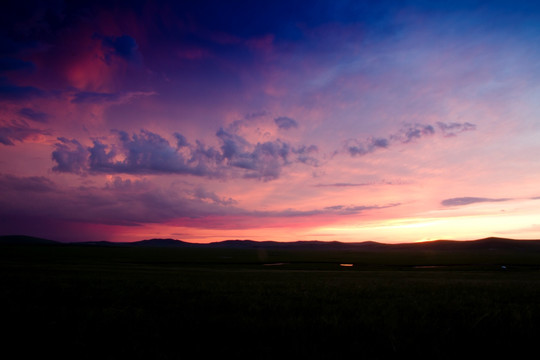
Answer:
(487, 244)
(25, 240)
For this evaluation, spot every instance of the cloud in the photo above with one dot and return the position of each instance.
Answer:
(94, 97)
(11, 64)
(30, 184)
(34, 115)
(119, 202)
(181, 140)
(306, 154)
(90, 97)
(285, 123)
(37, 202)
(146, 153)
(406, 134)
(355, 147)
(343, 184)
(18, 131)
(452, 129)
(13, 92)
(328, 210)
(205, 195)
(256, 114)
(460, 201)
(410, 132)
(70, 156)
(150, 153)
(122, 46)
(262, 160)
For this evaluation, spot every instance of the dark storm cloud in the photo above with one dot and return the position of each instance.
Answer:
(286, 123)
(469, 200)
(34, 115)
(18, 131)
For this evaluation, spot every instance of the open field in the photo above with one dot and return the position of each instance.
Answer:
(168, 303)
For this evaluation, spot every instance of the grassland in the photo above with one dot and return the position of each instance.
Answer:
(173, 303)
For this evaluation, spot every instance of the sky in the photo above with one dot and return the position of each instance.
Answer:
(388, 121)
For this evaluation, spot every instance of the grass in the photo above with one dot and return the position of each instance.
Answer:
(115, 303)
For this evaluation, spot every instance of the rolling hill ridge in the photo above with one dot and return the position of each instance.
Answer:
(491, 243)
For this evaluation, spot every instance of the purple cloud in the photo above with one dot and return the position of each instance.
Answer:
(355, 147)
(30, 184)
(14, 92)
(34, 115)
(31, 203)
(18, 131)
(452, 129)
(11, 64)
(70, 156)
(407, 134)
(412, 132)
(461, 201)
(286, 123)
(150, 153)
(122, 46)
(146, 153)
(84, 97)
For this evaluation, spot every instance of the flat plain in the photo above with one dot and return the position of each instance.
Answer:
(172, 303)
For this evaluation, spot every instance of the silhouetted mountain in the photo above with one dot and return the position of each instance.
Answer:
(25, 240)
(98, 243)
(161, 243)
(487, 244)
(313, 245)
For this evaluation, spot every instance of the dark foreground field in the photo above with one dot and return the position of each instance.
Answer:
(87, 302)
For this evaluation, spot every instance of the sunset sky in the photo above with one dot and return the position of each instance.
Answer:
(389, 121)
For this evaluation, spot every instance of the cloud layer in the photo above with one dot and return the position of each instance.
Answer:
(150, 153)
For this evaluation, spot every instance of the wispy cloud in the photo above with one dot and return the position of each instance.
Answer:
(286, 123)
(18, 131)
(34, 115)
(91, 97)
(461, 201)
(408, 133)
